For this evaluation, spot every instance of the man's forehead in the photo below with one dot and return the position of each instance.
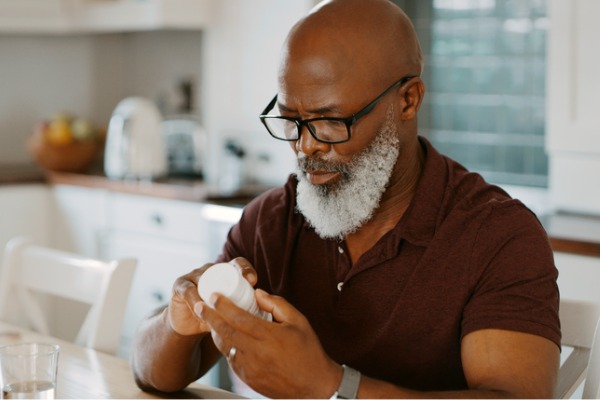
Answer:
(321, 99)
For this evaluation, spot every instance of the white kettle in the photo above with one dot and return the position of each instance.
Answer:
(135, 147)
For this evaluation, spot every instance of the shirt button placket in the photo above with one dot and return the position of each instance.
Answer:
(343, 261)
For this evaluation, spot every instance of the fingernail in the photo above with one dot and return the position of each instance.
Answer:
(252, 278)
(212, 299)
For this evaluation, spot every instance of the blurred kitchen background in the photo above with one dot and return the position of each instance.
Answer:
(512, 92)
(486, 71)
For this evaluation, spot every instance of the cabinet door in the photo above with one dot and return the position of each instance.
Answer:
(72, 16)
(79, 220)
(573, 95)
(573, 84)
(24, 211)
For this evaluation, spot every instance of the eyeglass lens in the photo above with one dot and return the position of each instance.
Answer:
(323, 129)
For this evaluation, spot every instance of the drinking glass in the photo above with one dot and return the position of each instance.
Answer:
(28, 370)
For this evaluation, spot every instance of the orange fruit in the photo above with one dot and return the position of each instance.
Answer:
(59, 132)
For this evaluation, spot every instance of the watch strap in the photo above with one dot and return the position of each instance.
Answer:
(349, 385)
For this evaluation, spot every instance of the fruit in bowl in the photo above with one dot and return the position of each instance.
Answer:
(65, 143)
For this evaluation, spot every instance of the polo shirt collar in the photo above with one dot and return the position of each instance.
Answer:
(419, 222)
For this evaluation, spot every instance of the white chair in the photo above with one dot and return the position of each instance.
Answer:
(103, 285)
(591, 389)
(579, 325)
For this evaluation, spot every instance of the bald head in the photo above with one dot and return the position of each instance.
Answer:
(371, 40)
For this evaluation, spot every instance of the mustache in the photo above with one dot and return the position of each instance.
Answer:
(315, 163)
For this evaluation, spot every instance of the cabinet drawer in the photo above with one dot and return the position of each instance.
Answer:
(172, 219)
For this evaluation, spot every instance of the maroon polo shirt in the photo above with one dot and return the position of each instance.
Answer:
(465, 256)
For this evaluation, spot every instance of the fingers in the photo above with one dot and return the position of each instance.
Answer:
(185, 287)
(184, 297)
(282, 310)
(224, 314)
(231, 328)
(185, 308)
(229, 324)
(247, 269)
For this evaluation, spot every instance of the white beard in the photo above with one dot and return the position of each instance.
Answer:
(336, 211)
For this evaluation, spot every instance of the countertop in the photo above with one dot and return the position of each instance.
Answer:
(176, 188)
(570, 233)
(573, 233)
(11, 174)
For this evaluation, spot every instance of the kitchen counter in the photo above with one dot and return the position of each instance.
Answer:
(573, 233)
(194, 190)
(11, 174)
(186, 189)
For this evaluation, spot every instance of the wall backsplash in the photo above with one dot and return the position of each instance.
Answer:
(87, 75)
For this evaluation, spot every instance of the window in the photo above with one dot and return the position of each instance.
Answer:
(485, 84)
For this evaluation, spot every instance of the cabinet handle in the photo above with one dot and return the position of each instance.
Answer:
(157, 219)
(158, 296)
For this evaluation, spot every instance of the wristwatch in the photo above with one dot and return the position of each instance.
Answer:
(349, 385)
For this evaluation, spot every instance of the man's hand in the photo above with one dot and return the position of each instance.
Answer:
(185, 295)
(283, 358)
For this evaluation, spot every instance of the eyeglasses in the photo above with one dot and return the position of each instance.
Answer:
(324, 129)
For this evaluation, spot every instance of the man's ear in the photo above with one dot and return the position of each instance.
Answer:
(411, 99)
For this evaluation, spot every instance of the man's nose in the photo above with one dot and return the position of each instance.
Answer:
(307, 144)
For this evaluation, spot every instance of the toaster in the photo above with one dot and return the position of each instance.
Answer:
(185, 141)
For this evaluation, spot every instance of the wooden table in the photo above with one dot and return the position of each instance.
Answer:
(86, 373)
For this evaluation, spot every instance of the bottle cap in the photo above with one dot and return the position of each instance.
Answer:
(221, 278)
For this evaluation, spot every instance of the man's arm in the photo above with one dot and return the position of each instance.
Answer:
(497, 364)
(285, 358)
(167, 361)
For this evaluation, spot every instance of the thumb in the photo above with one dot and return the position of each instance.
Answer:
(281, 310)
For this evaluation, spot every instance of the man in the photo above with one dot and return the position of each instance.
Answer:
(379, 254)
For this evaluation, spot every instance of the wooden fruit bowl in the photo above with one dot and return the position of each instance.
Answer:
(71, 157)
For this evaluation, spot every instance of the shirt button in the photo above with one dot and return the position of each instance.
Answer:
(340, 250)
(339, 286)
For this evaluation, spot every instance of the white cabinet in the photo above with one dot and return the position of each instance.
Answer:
(169, 238)
(79, 219)
(24, 210)
(160, 261)
(69, 16)
(578, 276)
(573, 93)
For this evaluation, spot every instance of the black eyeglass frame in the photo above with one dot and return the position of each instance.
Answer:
(349, 121)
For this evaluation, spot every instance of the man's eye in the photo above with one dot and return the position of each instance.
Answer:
(334, 123)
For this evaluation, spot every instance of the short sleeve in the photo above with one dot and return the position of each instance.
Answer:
(513, 276)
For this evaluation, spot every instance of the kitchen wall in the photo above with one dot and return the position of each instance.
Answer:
(86, 75)
(233, 63)
(241, 59)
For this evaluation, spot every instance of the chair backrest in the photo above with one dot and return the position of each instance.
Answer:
(579, 322)
(591, 389)
(103, 285)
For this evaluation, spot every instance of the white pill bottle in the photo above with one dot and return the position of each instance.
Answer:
(227, 279)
